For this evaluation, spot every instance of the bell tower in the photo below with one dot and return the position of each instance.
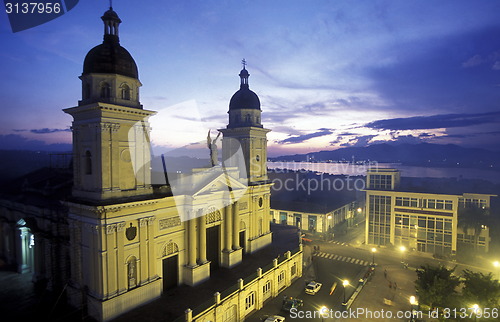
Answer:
(245, 130)
(111, 145)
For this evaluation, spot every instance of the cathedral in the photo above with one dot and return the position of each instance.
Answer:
(122, 240)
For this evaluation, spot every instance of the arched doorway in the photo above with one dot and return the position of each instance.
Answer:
(170, 255)
(243, 235)
(25, 248)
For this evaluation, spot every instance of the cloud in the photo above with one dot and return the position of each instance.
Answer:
(453, 74)
(473, 61)
(42, 131)
(18, 142)
(360, 141)
(305, 137)
(435, 121)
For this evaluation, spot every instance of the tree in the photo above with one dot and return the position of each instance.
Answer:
(481, 289)
(435, 286)
(473, 217)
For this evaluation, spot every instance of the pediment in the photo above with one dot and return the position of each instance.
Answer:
(219, 184)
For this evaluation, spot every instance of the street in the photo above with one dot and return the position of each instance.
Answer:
(347, 258)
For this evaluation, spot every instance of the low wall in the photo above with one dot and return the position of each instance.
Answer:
(250, 294)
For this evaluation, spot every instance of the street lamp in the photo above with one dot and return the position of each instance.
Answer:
(414, 306)
(402, 249)
(345, 283)
(374, 250)
(322, 311)
(475, 308)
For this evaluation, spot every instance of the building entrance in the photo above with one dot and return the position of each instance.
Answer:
(170, 272)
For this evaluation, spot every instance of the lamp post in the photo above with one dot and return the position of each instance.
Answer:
(327, 229)
(414, 306)
(374, 250)
(345, 283)
(402, 249)
(322, 311)
(497, 265)
(475, 308)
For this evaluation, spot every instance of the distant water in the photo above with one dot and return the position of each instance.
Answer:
(406, 171)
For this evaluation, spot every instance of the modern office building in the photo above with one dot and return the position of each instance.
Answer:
(426, 222)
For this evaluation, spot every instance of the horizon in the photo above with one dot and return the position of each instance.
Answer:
(329, 75)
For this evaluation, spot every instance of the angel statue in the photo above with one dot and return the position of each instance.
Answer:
(211, 144)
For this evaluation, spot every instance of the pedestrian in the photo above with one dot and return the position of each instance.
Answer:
(390, 284)
(395, 285)
(385, 273)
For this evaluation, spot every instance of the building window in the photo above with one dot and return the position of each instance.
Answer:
(379, 218)
(105, 90)
(230, 314)
(293, 270)
(88, 162)
(281, 277)
(250, 301)
(132, 272)
(125, 92)
(381, 182)
(266, 288)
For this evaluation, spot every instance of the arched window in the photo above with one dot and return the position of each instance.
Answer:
(132, 272)
(105, 90)
(247, 118)
(88, 162)
(125, 92)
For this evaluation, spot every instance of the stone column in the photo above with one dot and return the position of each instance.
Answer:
(151, 245)
(111, 250)
(120, 255)
(142, 268)
(192, 242)
(202, 239)
(229, 226)
(236, 226)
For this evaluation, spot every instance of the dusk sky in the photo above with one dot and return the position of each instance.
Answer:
(328, 73)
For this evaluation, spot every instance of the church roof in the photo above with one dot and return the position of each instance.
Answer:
(109, 57)
(244, 98)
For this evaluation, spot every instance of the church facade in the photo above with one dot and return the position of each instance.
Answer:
(127, 240)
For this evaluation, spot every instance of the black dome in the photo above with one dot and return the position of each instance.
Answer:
(244, 98)
(110, 14)
(110, 58)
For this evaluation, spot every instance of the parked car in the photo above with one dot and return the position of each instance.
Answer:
(313, 287)
(275, 318)
(290, 303)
